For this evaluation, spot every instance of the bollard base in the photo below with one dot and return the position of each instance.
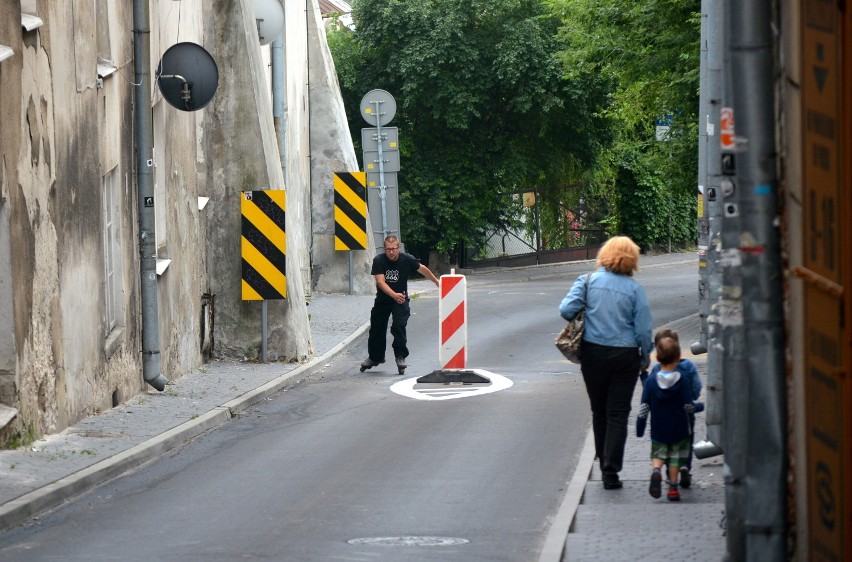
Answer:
(446, 376)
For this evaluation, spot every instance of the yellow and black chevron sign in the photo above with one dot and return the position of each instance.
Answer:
(264, 245)
(350, 211)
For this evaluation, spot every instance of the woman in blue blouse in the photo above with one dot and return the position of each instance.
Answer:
(616, 345)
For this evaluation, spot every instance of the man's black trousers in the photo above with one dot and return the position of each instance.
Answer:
(384, 309)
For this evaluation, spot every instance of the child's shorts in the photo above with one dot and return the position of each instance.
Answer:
(675, 454)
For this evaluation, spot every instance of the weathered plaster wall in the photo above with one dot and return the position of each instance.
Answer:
(35, 224)
(297, 128)
(55, 226)
(242, 155)
(331, 151)
(10, 115)
(184, 280)
(119, 358)
(63, 131)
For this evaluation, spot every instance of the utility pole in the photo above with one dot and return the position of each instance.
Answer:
(765, 457)
(703, 226)
(729, 311)
(710, 225)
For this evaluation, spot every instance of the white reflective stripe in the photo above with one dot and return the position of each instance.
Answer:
(452, 300)
(453, 345)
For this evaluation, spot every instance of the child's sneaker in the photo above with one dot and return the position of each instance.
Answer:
(685, 478)
(656, 487)
(674, 494)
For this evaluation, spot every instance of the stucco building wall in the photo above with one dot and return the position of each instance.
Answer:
(67, 129)
(331, 151)
(11, 330)
(68, 134)
(242, 155)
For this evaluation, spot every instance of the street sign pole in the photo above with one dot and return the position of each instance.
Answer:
(264, 331)
(382, 186)
(350, 271)
(378, 108)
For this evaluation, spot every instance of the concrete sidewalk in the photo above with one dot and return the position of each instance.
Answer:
(628, 524)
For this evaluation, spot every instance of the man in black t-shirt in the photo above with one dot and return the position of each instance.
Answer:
(391, 270)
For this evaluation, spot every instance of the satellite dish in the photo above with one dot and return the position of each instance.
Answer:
(378, 107)
(187, 76)
(269, 16)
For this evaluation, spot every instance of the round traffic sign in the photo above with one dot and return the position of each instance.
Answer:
(378, 108)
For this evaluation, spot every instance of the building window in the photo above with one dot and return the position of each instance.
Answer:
(8, 349)
(113, 253)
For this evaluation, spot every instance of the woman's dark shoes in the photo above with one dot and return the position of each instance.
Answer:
(656, 487)
(685, 478)
(612, 483)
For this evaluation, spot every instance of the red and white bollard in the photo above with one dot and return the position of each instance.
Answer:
(452, 328)
(452, 342)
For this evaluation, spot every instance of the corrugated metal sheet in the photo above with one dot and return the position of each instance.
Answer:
(328, 6)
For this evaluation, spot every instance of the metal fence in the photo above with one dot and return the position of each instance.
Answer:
(512, 249)
(576, 237)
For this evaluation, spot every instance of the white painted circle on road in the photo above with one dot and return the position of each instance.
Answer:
(411, 389)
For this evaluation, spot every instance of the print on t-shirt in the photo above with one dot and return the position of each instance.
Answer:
(396, 272)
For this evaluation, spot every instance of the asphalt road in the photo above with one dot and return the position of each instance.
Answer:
(339, 467)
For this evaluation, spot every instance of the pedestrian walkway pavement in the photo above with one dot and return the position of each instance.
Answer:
(624, 524)
(628, 524)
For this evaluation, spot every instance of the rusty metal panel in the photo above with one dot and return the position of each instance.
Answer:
(822, 130)
(827, 419)
(826, 239)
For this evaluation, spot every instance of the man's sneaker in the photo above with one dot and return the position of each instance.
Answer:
(368, 363)
(685, 478)
(656, 487)
(400, 364)
(674, 494)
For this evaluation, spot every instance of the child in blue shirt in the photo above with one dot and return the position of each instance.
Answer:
(689, 373)
(668, 397)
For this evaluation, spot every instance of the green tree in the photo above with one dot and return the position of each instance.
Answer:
(648, 52)
(483, 107)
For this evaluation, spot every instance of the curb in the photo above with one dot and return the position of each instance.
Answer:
(557, 536)
(554, 544)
